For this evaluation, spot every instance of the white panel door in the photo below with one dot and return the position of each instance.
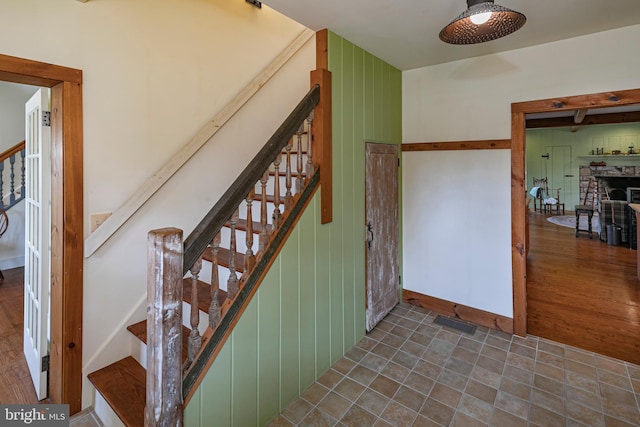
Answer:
(561, 174)
(37, 275)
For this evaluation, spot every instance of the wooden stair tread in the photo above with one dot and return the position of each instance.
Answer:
(139, 330)
(204, 295)
(123, 386)
(284, 174)
(242, 226)
(224, 256)
(270, 198)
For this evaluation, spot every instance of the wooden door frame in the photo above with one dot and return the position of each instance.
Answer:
(67, 236)
(518, 188)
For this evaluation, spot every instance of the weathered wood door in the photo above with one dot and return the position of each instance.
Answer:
(382, 231)
(37, 239)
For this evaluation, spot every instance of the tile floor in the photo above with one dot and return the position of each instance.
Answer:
(86, 418)
(411, 372)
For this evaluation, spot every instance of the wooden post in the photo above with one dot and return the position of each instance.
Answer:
(164, 328)
(322, 139)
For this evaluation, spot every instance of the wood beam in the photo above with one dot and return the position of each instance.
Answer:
(593, 119)
(459, 145)
(605, 99)
(579, 115)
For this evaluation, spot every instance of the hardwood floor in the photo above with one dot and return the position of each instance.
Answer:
(582, 292)
(15, 381)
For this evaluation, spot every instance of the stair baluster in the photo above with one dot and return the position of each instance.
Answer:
(214, 307)
(264, 234)
(249, 257)
(22, 176)
(12, 180)
(195, 340)
(288, 198)
(309, 147)
(232, 282)
(300, 178)
(2, 185)
(277, 215)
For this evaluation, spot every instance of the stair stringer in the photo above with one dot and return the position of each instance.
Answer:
(180, 202)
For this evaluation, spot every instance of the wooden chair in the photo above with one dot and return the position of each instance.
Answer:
(544, 193)
(4, 224)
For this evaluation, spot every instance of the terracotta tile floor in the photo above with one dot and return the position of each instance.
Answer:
(411, 372)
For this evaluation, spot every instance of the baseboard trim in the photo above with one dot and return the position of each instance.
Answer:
(459, 311)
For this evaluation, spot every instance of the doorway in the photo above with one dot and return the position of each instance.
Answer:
(382, 240)
(65, 380)
(518, 184)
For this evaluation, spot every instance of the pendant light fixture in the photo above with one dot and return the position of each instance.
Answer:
(483, 21)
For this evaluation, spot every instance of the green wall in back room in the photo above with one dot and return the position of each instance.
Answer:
(310, 309)
(579, 144)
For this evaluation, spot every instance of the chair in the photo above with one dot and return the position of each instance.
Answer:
(4, 224)
(543, 195)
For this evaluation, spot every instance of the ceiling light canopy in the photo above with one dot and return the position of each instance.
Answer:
(483, 21)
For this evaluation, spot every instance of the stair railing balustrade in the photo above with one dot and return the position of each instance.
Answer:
(12, 192)
(278, 211)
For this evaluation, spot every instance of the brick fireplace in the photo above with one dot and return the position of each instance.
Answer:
(615, 178)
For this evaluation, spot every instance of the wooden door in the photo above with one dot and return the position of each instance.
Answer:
(37, 277)
(382, 231)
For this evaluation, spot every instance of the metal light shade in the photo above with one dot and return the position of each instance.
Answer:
(502, 22)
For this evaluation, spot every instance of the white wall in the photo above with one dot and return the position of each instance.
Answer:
(471, 100)
(155, 71)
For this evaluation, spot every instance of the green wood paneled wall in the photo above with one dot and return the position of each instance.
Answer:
(310, 309)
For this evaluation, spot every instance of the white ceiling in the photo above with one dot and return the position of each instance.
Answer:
(404, 33)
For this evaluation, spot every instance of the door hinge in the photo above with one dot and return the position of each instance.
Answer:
(400, 280)
(45, 363)
(398, 161)
(46, 118)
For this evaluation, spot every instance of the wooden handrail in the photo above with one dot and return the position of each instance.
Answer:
(213, 345)
(211, 224)
(11, 151)
(121, 215)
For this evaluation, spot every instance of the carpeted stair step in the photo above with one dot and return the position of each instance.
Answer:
(123, 386)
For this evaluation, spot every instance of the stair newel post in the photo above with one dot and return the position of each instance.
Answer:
(309, 172)
(164, 404)
(232, 282)
(264, 233)
(12, 182)
(300, 178)
(214, 307)
(1, 184)
(288, 198)
(195, 340)
(276, 193)
(249, 257)
(22, 174)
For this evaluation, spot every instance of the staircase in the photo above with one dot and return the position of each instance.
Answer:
(199, 287)
(10, 193)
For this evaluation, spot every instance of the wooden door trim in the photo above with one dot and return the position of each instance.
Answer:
(65, 375)
(518, 209)
(489, 144)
